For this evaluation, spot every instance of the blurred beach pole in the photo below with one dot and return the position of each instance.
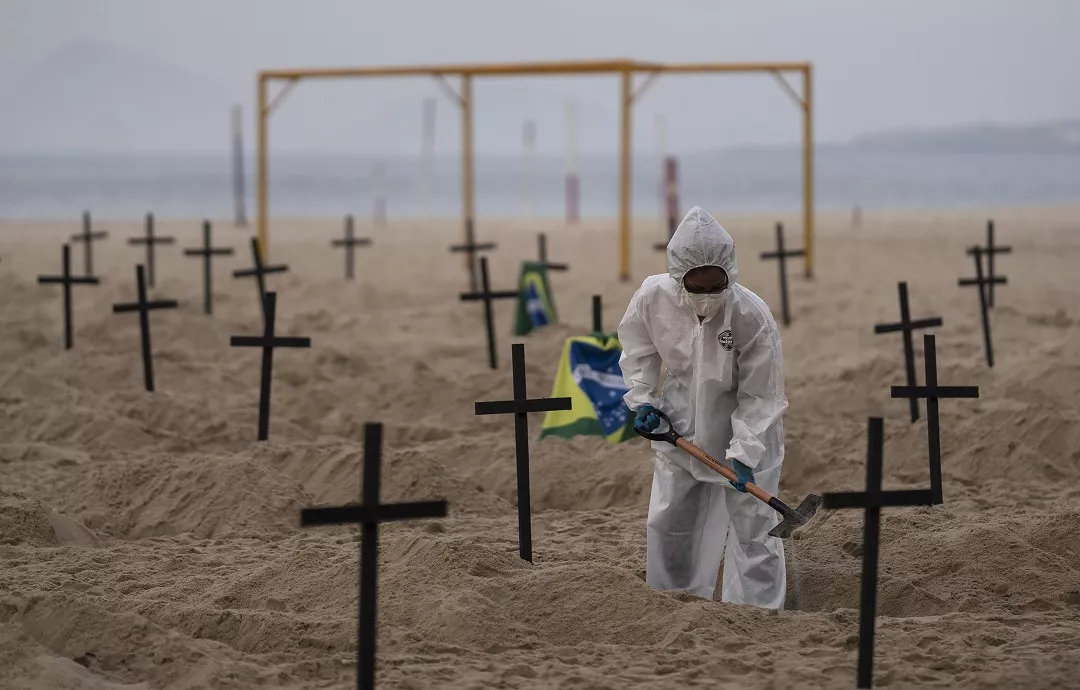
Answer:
(238, 167)
(379, 192)
(528, 189)
(573, 178)
(660, 132)
(427, 154)
(671, 168)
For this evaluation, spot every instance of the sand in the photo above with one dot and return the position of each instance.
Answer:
(148, 541)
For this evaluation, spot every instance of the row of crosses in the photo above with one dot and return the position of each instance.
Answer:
(143, 305)
(479, 281)
(267, 300)
(207, 252)
(151, 241)
(874, 498)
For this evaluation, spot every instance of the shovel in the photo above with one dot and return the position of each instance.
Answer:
(793, 517)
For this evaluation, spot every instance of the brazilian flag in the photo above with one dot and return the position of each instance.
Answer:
(536, 306)
(589, 374)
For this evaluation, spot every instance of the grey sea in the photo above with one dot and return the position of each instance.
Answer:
(191, 186)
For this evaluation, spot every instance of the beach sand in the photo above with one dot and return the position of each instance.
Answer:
(148, 541)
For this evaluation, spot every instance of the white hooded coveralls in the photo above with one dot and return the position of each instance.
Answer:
(724, 391)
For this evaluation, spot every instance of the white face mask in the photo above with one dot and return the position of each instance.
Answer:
(704, 305)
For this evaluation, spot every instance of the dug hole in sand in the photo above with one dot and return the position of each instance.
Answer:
(147, 541)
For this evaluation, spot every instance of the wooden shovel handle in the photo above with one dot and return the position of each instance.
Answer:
(725, 471)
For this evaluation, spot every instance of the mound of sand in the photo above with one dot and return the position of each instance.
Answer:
(209, 497)
(64, 641)
(27, 521)
(934, 561)
(200, 576)
(333, 474)
(75, 421)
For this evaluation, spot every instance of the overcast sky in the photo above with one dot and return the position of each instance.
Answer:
(878, 65)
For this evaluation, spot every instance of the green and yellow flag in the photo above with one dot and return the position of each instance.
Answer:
(590, 376)
(536, 306)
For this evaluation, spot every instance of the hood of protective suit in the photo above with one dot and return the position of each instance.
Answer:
(701, 241)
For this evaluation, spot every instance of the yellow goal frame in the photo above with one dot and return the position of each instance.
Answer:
(626, 69)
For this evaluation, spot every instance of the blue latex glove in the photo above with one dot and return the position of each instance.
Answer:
(743, 474)
(646, 419)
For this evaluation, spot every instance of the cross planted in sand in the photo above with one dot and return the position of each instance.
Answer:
(906, 326)
(520, 407)
(208, 251)
(543, 254)
(933, 392)
(67, 280)
(267, 342)
(673, 223)
(151, 241)
(144, 307)
(782, 255)
(486, 296)
(872, 501)
(369, 514)
(350, 244)
(598, 316)
(259, 271)
(471, 248)
(983, 284)
(990, 249)
(87, 237)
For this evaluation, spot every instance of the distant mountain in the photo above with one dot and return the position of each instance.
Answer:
(1062, 136)
(93, 98)
(89, 97)
(981, 138)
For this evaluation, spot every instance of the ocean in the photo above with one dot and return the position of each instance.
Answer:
(196, 186)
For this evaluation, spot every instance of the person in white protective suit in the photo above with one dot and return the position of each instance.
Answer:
(724, 391)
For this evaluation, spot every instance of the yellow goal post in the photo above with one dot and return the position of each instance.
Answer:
(626, 69)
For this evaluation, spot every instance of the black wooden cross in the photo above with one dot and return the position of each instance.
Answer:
(990, 249)
(472, 249)
(150, 240)
(67, 280)
(486, 295)
(87, 238)
(906, 326)
(542, 241)
(207, 251)
(781, 255)
(369, 514)
(872, 501)
(933, 392)
(982, 282)
(259, 271)
(598, 316)
(350, 244)
(520, 407)
(144, 307)
(672, 224)
(268, 341)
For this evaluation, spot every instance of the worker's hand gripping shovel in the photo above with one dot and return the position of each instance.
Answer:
(793, 517)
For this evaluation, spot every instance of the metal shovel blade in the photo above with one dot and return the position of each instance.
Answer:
(797, 517)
